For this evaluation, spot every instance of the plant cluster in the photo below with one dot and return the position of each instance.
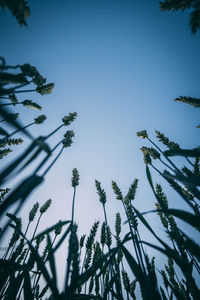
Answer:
(106, 264)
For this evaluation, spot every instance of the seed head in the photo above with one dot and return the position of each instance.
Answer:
(4, 152)
(152, 152)
(29, 70)
(13, 99)
(33, 212)
(58, 228)
(118, 224)
(45, 89)
(31, 104)
(45, 206)
(100, 192)
(67, 120)
(39, 80)
(82, 239)
(11, 142)
(147, 158)
(143, 134)
(117, 191)
(132, 190)
(67, 141)
(75, 178)
(40, 119)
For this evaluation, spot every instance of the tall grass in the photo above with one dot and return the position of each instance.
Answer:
(104, 264)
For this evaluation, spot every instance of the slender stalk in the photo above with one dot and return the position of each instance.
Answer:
(106, 221)
(140, 261)
(53, 162)
(54, 131)
(37, 276)
(21, 85)
(127, 294)
(166, 165)
(169, 160)
(25, 91)
(189, 161)
(73, 203)
(14, 132)
(47, 157)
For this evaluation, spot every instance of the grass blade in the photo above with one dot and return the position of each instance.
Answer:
(28, 295)
(51, 260)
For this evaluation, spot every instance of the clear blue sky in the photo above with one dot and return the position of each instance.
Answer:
(119, 64)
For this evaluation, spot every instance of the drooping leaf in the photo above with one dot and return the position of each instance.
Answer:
(50, 229)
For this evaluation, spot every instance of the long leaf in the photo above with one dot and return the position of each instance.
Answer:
(28, 295)
(191, 245)
(183, 152)
(51, 260)
(135, 268)
(189, 218)
(50, 229)
(65, 234)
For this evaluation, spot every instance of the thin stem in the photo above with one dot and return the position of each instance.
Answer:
(25, 91)
(7, 104)
(14, 132)
(5, 67)
(73, 203)
(27, 228)
(189, 161)
(54, 131)
(53, 162)
(46, 158)
(156, 170)
(166, 165)
(21, 85)
(111, 269)
(164, 155)
(37, 276)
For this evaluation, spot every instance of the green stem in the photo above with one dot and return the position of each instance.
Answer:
(54, 131)
(46, 158)
(25, 91)
(164, 155)
(53, 162)
(73, 203)
(166, 165)
(14, 132)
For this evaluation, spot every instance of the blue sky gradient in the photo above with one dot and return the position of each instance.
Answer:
(119, 65)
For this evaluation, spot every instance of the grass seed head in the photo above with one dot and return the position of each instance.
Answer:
(33, 212)
(117, 191)
(67, 141)
(45, 206)
(40, 119)
(75, 178)
(143, 134)
(45, 89)
(67, 120)
(100, 192)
